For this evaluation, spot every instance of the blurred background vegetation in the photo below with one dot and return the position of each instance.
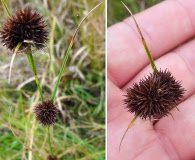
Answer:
(117, 12)
(80, 130)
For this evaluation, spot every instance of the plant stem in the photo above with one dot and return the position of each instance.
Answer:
(143, 41)
(149, 56)
(49, 141)
(34, 70)
(68, 53)
(6, 8)
(130, 125)
(61, 71)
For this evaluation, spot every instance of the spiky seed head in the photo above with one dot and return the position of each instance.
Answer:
(25, 26)
(46, 113)
(50, 157)
(154, 96)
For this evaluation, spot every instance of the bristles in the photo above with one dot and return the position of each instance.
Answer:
(154, 96)
(46, 113)
(25, 25)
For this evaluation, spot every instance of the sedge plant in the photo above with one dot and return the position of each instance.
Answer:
(45, 112)
(155, 95)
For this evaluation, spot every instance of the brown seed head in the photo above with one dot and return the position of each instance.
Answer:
(154, 96)
(46, 113)
(50, 158)
(25, 26)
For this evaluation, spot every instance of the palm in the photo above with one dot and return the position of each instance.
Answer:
(127, 63)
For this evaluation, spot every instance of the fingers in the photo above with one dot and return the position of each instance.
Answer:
(173, 134)
(134, 143)
(180, 132)
(181, 63)
(115, 105)
(164, 27)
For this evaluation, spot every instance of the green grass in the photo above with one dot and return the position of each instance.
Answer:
(80, 130)
(117, 12)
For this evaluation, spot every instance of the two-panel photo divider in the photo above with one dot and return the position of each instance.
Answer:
(97, 80)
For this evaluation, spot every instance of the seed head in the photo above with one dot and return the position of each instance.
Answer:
(154, 96)
(50, 158)
(25, 26)
(46, 113)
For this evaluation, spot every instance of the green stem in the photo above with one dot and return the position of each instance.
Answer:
(149, 56)
(34, 70)
(6, 8)
(68, 53)
(143, 41)
(49, 141)
(130, 125)
(61, 71)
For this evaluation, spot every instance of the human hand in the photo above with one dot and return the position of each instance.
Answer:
(165, 27)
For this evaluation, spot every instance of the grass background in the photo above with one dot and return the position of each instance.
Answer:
(80, 130)
(117, 12)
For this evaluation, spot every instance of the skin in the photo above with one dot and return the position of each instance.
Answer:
(168, 29)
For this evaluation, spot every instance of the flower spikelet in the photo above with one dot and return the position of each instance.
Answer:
(46, 113)
(25, 26)
(154, 96)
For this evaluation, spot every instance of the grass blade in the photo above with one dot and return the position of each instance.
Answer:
(143, 41)
(68, 53)
(6, 8)
(129, 126)
(12, 60)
